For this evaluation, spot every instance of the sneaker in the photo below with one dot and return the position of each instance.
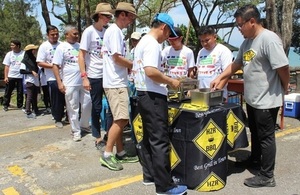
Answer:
(5, 108)
(86, 129)
(127, 159)
(24, 110)
(76, 138)
(31, 115)
(47, 111)
(59, 125)
(100, 145)
(147, 182)
(248, 163)
(177, 190)
(111, 162)
(260, 181)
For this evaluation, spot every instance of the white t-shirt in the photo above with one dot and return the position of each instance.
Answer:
(13, 60)
(210, 64)
(178, 61)
(45, 54)
(147, 53)
(114, 75)
(42, 77)
(66, 56)
(29, 77)
(92, 42)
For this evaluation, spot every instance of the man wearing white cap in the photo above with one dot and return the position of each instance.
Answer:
(115, 81)
(91, 64)
(151, 88)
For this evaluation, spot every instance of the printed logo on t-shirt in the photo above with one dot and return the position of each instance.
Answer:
(71, 55)
(176, 66)
(206, 66)
(248, 56)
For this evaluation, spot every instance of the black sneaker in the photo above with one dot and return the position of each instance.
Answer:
(148, 182)
(259, 181)
(5, 108)
(111, 162)
(127, 159)
(248, 163)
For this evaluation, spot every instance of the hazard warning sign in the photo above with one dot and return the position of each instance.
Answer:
(210, 139)
(234, 127)
(174, 157)
(138, 128)
(211, 183)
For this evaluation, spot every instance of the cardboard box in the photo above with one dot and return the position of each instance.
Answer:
(292, 105)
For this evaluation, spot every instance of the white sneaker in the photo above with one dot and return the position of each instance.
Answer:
(59, 125)
(31, 115)
(76, 138)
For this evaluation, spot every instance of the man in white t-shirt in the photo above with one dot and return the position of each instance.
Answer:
(212, 59)
(150, 83)
(177, 57)
(12, 76)
(91, 64)
(115, 82)
(70, 83)
(44, 59)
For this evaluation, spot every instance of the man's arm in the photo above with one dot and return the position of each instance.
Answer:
(45, 65)
(159, 77)
(284, 75)
(121, 61)
(6, 69)
(81, 60)
(60, 84)
(223, 78)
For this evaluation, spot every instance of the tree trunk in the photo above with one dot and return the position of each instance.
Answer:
(287, 23)
(271, 16)
(87, 12)
(45, 12)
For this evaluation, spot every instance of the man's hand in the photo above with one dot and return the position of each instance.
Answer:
(62, 88)
(6, 80)
(214, 84)
(175, 83)
(35, 74)
(86, 84)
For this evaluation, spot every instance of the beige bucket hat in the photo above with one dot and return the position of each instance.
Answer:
(128, 7)
(30, 46)
(103, 8)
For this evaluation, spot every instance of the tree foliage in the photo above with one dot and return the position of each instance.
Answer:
(17, 22)
(296, 28)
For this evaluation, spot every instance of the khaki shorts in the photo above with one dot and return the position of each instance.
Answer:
(118, 100)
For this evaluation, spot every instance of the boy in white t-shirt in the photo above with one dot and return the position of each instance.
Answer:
(115, 82)
(91, 64)
(177, 57)
(212, 59)
(12, 76)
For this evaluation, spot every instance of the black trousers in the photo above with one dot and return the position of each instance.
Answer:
(57, 101)
(96, 94)
(155, 147)
(262, 124)
(10, 86)
(32, 94)
(46, 96)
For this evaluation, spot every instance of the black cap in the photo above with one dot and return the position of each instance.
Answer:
(178, 32)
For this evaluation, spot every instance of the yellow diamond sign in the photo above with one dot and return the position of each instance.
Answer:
(174, 158)
(138, 128)
(211, 183)
(173, 113)
(210, 139)
(234, 127)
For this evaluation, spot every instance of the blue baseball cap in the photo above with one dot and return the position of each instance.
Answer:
(166, 18)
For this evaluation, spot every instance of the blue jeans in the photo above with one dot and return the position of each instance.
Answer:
(96, 93)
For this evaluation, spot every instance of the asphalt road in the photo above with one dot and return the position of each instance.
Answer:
(37, 158)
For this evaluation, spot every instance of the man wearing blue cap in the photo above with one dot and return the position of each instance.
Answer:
(151, 88)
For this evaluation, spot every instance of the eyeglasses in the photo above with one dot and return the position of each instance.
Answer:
(240, 26)
(107, 16)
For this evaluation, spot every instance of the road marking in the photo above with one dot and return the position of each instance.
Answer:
(111, 186)
(39, 128)
(10, 191)
(30, 181)
(282, 133)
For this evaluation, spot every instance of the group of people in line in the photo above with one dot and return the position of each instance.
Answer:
(79, 75)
